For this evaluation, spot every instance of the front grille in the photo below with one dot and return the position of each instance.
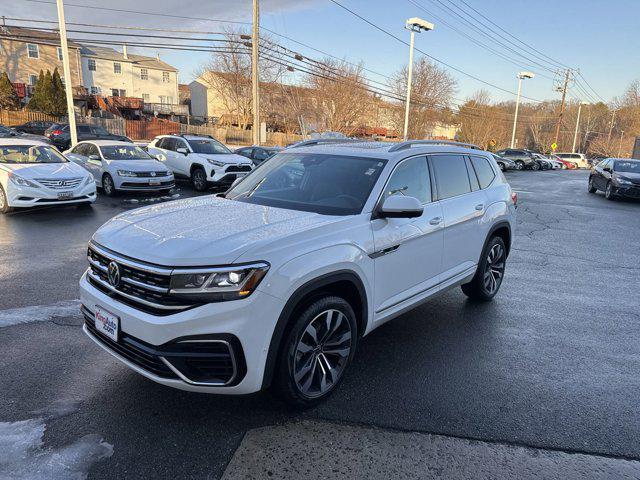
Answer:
(205, 361)
(134, 350)
(146, 186)
(238, 168)
(152, 174)
(142, 286)
(59, 184)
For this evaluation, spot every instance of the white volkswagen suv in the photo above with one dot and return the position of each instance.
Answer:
(275, 284)
(202, 159)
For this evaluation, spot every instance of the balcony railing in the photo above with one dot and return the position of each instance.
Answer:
(165, 109)
(132, 103)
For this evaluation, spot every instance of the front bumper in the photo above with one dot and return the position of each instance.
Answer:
(18, 196)
(223, 177)
(142, 184)
(627, 191)
(249, 322)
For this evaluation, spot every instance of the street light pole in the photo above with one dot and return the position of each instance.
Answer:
(521, 76)
(66, 69)
(575, 134)
(620, 144)
(254, 72)
(414, 25)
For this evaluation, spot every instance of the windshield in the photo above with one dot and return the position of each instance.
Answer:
(626, 166)
(124, 152)
(30, 154)
(320, 183)
(208, 145)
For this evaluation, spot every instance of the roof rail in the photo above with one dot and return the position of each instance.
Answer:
(410, 143)
(320, 141)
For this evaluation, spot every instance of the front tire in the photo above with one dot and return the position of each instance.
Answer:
(4, 203)
(520, 164)
(502, 167)
(608, 192)
(535, 166)
(592, 187)
(316, 352)
(108, 187)
(488, 278)
(199, 180)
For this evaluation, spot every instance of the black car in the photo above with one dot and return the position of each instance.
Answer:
(523, 158)
(616, 177)
(6, 132)
(258, 154)
(61, 137)
(37, 127)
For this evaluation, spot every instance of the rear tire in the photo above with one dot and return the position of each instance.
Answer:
(108, 187)
(520, 164)
(535, 166)
(592, 187)
(315, 352)
(502, 167)
(488, 278)
(4, 203)
(199, 180)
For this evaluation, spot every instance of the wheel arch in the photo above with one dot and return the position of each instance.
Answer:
(342, 283)
(503, 230)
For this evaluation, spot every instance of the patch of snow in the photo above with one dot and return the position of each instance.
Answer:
(39, 313)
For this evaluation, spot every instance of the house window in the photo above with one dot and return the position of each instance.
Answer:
(32, 50)
(91, 63)
(166, 100)
(144, 74)
(117, 68)
(145, 97)
(165, 77)
(59, 53)
(33, 79)
(95, 90)
(118, 92)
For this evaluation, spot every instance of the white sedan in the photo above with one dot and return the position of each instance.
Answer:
(33, 173)
(121, 166)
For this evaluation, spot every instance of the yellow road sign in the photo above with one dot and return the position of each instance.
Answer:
(554, 145)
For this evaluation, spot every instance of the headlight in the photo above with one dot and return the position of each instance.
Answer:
(217, 284)
(88, 181)
(21, 182)
(216, 163)
(127, 173)
(622, 181)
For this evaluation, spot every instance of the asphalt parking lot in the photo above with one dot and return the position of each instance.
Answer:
(553, 363)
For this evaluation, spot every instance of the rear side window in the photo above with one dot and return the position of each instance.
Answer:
(483, 170)
(84, 129)
(169, 143)
(451, 174)
(411, 178)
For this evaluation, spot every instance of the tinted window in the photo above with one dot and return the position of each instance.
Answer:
(80, 149)
(84, 129)
(260, 154)
(322, 183)
(626, 166)
(124, 152)
(411, 178)
(92, 150)
(475, 186)
(483, 170)
(169, 143)
(99, 131)
(451, 175)
(208, 145)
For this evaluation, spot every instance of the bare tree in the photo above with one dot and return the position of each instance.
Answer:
(340, 97)
(432, 89)
(482, 123)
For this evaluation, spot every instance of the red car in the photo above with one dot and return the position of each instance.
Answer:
(569, 165)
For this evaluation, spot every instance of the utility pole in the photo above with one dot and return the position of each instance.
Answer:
(620, 144)
(254, 72)
(68, 88)
(564, 97)
(575, 134)
(613, 117)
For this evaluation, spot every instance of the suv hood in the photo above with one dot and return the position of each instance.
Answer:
(32, 171)
(202, 231)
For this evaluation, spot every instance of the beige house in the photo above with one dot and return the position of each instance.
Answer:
(24, 52)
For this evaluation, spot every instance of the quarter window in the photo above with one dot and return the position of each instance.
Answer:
(483, 170)
(33, 51)
(91, 65)
(452, 178)
(411, 179)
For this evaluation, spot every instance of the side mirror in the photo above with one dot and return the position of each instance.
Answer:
(182, 150)
(399, 206)
(236, 182)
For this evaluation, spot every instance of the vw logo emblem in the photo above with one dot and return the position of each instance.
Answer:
(114, 274)
(153, 174)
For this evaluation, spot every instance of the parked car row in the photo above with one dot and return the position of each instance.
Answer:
(528, 160)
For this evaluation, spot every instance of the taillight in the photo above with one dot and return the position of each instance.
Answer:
(514, 198)
(56, 132)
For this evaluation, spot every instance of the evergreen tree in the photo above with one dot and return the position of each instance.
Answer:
(58, 99)
(8, 96)
(47, 93)
(35, 102)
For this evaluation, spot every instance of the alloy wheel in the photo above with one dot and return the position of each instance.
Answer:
(199, 180)
(107, 185)
(495, 268)
(322, 353)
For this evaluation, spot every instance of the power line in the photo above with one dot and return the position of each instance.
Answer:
(386, 32)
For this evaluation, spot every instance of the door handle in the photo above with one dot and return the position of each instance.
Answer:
(435, 221)
(480, 207)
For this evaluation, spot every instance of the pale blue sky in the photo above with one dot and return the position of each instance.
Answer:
(598, 37)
